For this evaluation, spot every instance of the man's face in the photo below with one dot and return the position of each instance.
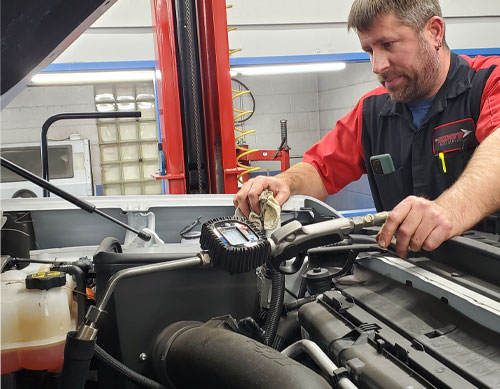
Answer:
(403, 60)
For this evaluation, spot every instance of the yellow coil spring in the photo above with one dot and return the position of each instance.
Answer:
(245, 151)
(239, 114)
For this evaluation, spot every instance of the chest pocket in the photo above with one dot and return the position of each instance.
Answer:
(393, 187)
(455, 136)
(453, 144)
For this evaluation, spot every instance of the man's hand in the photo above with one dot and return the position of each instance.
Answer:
(248, 196)
(301, 178)
(418, 224)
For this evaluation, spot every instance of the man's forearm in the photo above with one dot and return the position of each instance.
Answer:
(304, 179)
(476, 193)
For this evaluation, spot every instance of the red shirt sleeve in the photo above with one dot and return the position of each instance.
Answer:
(489, 116)
(338, 156)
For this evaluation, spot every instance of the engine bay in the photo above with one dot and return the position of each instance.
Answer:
(315, 304)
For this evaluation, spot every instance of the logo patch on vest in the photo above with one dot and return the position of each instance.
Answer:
(452, 136)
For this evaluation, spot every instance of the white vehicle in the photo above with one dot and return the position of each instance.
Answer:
(69, 168)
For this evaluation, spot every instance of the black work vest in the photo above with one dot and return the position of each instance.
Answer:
(448, 128)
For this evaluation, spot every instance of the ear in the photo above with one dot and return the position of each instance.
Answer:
(435, 31)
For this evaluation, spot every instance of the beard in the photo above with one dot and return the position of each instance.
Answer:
(419, 80)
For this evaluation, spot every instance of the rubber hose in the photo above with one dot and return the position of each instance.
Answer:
(124, 370)
(278, 343)
(192, 356)
(77, 357)
(80, 279)
(289, 325)
(276, 306)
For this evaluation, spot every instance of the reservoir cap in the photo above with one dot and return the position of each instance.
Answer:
(45, 280)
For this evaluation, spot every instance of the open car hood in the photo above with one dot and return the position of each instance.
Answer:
(34, 33)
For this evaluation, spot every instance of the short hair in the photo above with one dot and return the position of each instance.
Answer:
(412, 13)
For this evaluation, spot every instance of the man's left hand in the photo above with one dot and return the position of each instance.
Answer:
(418, 224)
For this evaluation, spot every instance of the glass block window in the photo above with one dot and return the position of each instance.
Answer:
(128, 146)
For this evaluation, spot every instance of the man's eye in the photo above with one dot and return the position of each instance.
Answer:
(388, 45)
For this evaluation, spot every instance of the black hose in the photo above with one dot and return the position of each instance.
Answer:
(276, 306)
(289, 325)
(29, 260)
(124, 370)
(244, 119)
(77, 357)
(349, 263)
(81, 283)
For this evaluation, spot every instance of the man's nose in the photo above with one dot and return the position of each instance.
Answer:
(380, 62)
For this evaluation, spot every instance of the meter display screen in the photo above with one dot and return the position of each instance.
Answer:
(233, 236)
(234, 244)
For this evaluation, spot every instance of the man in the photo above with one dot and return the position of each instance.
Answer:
(436, 114)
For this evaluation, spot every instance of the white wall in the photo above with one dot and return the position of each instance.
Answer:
(291, 97)
(338, 92)
(295, 27)
(269, 28)
(22, 119)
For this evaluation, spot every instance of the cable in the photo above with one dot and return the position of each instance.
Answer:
(291, 293)
(124, 370)
(245, 91)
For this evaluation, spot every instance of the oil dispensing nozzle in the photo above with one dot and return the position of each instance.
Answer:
(294, 239)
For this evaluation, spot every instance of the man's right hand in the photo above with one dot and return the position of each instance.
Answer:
(248, 196)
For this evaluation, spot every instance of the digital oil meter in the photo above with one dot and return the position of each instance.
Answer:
(234, 244)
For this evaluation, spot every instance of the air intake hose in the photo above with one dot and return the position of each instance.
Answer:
(196, 355)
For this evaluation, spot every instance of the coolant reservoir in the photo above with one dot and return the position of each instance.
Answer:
(36, 315)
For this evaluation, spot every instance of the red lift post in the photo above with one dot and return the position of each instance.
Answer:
(217, 95)
(216, 91)
(168, 95)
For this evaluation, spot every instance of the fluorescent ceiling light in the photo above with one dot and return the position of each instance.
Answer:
(289, 69)
(79, 78)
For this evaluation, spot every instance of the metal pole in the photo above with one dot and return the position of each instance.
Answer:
(88, 331)
(80, 203)
(284, 134)
(66, 116)
(318, 356)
